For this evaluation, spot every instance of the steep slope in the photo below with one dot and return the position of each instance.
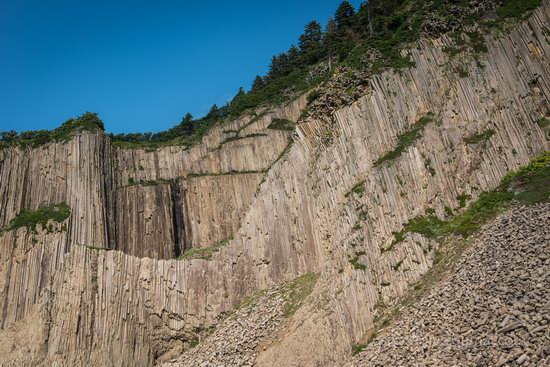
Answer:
(493, 311)
(103, 287)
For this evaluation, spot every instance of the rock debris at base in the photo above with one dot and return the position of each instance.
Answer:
(494, 310)
(237, 339)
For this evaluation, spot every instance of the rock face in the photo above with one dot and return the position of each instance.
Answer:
(493, 311)
(104, 288)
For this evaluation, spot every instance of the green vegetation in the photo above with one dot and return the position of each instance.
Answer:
(187, 133)
(95, 248)
(283, 153)
(530, 184)
(32, 218)
(462, 72)
(406, 139)
(160, 181)
(193, 343)
(358, 348)
(86, 122)
(357, 189)
(281, 124)
(371, 38)
(314, 95)
(164, 181)
(204, 253)
(537, 164)
(478, 42)
(543, 123)
(479, 137)
(428, 165)
(233, 138)
(517, 9)
(398, 265)
(354, 261)
(296, 292)
(462, 199)
(533, 178)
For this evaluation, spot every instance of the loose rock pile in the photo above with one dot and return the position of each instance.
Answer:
(343, 88)
(494, 310)
(237, 340)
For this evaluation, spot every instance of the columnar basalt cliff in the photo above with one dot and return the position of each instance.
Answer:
(161, 246)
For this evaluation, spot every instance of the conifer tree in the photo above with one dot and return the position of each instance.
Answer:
(187, 124)
(344, 16)
(258, 83)
(330, 41)
(310, 42)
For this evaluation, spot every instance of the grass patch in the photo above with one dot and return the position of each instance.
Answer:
(462, 72)
(204, 253)
(517, 9)
(32, 218)
(406, 139)
(445, 258)
(536, 164)
(297, 291)
(543, 123)
(354, 261)
(462, 199)
(237, 137)
(160, 181)
(314, 95)
(357, 189)
(193, 343)
(95, 248)
(528, 185)
(358, 348)
(281, 124)
(479, 137)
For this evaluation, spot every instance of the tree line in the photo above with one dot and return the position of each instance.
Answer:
(382, 25)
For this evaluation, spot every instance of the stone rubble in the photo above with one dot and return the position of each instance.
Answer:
(84, 306)
(237, 340)
(494, 310)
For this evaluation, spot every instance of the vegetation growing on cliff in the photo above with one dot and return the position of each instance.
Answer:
(32, 218)
(406, 139)
(479, 137)
(281, 124)
(204, 253)
(370, 38)
(86, 122)
(296, 292)
(528, 185)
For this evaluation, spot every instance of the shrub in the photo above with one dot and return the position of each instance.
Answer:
(32, 218)
(313, 96)
(517, 9)
(479, 137)
(281, 124)
(406, 139)
(358, 189)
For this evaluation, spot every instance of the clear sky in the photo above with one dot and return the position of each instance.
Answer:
(140, 64)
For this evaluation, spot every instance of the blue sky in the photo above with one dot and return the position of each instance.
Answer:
(140, 64)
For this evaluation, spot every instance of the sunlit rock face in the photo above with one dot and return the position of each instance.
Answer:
(161, 245)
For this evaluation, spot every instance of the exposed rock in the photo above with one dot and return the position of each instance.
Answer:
(91, 306)
(486, 313)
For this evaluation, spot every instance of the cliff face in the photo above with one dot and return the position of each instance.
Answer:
(104, 287)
